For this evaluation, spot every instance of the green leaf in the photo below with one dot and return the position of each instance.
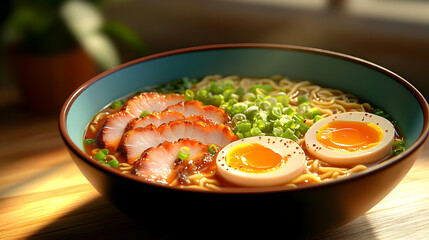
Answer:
(125, 36)
(86, 22)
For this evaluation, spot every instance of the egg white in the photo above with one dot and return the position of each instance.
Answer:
(285, 147)
(367, 156)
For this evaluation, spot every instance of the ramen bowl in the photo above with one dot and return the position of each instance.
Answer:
(302, 211)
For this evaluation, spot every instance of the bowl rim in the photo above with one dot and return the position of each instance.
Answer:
(62, 122)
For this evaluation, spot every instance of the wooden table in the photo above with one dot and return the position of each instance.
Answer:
(44, 196)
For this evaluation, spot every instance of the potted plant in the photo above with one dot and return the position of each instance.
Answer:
(53, 46)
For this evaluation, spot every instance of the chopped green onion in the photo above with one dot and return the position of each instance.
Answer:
(216, 87)
(103, 162)
(288, 111)
(398, 147)
(399, 143)
(261, 88)
(265, 105)
(102, 154)
(261, 115)
(238, 118)
(283, 99)
(240, 91)
(232, 101)
(144, 113)
(89, 141)
(289, 133)
(280, 106)
(189, 95)
(303, 108)
(255, 131)
(317, 118)
(260, 92)
(249, 97)
(228, 83)
(303, 128)
(398, 150)
(303, 99)
(315, 112)
(271, 100)
(140, 91)
(105, 151)
(238, 108)
(184, 153)
(275, 113)
(251, 112)
(188, 82)
(201, 95)
(308, 112)
(277, 131)
(213, 149)
(116, 105)
(261, 124)
(298, 117)
(243, 127)
(247, 134)
(227, 94)
(278, 123)
(217, 100)
(381, 113)
(114, 163)
(234, 97)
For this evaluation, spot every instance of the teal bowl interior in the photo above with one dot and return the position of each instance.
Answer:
(364, 79)
(339, 198)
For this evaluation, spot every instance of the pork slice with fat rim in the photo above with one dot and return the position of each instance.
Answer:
(133, 142)
(161, 163)
(111, 133)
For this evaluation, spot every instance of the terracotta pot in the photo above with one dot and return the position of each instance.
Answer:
(45, 81)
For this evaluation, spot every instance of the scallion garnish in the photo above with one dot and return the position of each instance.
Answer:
(114, 163)
(144, 113)
(213, 149)
(398, 147)
(189, 95)
(102, 154)
(89, 141)
(184, 153)
(302, 99)
(116, 105)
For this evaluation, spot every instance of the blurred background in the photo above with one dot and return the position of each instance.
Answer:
(49, 47)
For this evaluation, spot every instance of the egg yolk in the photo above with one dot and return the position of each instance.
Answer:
(254, 158)
(349, 136)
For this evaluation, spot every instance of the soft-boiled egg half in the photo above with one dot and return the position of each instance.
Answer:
(350, 138)
(260, 161)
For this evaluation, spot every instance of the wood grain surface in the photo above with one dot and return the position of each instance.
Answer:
(44, 196)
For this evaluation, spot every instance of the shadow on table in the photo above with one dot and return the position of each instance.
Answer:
(99, 220)
(360, 228)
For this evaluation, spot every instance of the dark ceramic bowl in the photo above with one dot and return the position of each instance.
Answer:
(303, 211)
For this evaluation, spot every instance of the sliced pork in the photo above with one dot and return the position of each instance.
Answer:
(161, 163)
(113, 129)
(115, 125)
(135, 142)
(194, 107)
(156, 119)
(152, 101)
